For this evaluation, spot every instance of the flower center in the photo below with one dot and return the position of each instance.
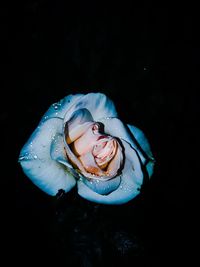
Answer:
(98, 154)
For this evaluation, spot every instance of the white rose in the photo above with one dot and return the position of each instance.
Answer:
(80, 141)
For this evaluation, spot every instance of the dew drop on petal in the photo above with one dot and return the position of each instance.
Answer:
(22, 158)
(56, 106)
(35, 156)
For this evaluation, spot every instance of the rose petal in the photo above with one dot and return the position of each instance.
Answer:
(144, 144)
(78, 124)
(98, 104)
(102, 187)
(116, 162)
(35, 159)
(115, 127)
(135, 137)
(58, 154)
(90, 165)
(60, 108)
(131, 181)
(86, 142)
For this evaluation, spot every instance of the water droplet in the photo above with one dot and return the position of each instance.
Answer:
(121, 186)
(56, 106)
(35, 156)
(21, 158)
(46, 117)
(97, 181)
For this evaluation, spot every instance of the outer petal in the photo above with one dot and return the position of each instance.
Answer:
(131, 181)
(98, 104)
(48, 174)
(133, 136)
(58, 154)
(59, 108)
(103, 187)
(144, 144)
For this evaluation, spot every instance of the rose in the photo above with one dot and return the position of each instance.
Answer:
(80, 141)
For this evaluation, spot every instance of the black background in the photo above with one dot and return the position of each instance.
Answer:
(145, 59)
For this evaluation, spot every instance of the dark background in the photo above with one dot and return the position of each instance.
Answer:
(146, 60)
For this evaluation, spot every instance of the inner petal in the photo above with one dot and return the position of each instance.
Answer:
(87, 141)
(79, 122)
(105, 152)
(90, 165)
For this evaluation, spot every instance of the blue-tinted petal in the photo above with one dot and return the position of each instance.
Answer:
(98, 105)
(35, 159)
(58, 154)
(57, 150)
(102, 187)
(131, 181)
(79, 116)
(144, 144)
(59, 108)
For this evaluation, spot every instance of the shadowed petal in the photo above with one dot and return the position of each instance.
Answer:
(131, 181)
(144, 144)
(58, 154)
(35, 159)
(102, 187)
